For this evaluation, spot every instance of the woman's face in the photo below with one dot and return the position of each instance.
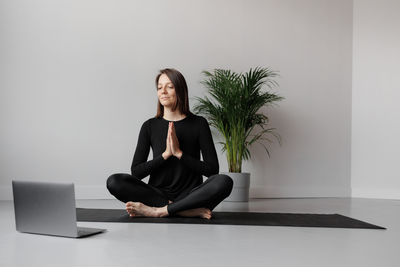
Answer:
(166, 91)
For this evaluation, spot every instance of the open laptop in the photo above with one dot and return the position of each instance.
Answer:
(47, 208)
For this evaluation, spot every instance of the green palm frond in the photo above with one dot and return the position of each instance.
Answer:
(233, 109)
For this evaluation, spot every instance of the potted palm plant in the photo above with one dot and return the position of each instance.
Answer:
(234, 110)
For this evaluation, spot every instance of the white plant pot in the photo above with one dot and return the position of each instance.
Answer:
(241, 186)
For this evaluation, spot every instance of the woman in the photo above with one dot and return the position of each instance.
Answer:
(176, 137)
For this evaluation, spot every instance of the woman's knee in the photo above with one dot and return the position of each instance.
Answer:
(115, 181)
(223, 183)
(228, 183)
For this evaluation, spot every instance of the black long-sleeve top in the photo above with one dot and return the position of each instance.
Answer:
(175, 177)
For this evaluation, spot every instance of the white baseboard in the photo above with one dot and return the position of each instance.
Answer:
(297, 192)
(380, 193)
(92, 192)
(81, 192)
(101, 192)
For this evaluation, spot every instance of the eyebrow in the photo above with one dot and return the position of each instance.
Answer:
(165, 83)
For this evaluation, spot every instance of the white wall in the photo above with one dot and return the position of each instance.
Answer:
(77, 81)
(376, 94)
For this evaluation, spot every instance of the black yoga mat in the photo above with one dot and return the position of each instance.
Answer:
(231, 218)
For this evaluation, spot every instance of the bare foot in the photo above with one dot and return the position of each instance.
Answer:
(140, 209)
(199, 212)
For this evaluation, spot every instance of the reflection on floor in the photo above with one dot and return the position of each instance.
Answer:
(175, 245)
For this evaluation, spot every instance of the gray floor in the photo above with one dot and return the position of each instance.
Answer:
(217, 245)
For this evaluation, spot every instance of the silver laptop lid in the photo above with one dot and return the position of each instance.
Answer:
(45, 208)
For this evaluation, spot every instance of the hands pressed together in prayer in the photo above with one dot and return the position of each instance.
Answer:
(172, 143)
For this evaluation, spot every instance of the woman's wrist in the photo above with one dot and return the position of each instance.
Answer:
(179, 154)
(165, 155)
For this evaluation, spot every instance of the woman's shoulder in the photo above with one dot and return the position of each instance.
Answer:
(194, 117)
(154, 122)
(152, 119)
(151, 122)
(199, 120)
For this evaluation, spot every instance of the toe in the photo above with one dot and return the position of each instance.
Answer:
(136, 204)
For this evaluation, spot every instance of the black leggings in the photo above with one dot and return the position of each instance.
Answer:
(209, 194)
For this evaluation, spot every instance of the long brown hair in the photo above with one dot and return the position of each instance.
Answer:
(181, 91)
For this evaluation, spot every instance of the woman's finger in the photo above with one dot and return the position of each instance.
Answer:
(174, 137)
(170, 128)
(173, 130)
